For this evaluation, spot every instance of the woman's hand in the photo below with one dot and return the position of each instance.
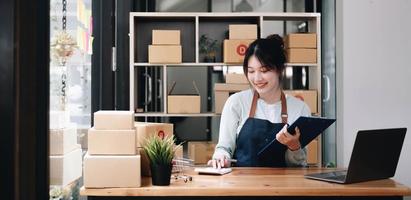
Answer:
(291, 141)
(219, 163)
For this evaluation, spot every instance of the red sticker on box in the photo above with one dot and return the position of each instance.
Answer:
(161, 134)
(241, 49)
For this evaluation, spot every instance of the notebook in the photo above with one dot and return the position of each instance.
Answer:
(310, 128)
(375, 156)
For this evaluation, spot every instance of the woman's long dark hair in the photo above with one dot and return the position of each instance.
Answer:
(269, 51)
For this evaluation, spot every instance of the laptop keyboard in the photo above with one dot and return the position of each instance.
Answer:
(339, 175)
(338, 178)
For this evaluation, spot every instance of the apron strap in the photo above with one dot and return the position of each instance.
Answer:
(284, 115)
(253, 105)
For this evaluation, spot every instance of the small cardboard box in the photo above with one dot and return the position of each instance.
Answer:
(145, 130)
(167, 37)
(236, 78)
(184, 103)
(234, 50)
(222, 91)
(201, 152)
(301, 40)
(66, 168)
(312, 152)
(295, 55)
(164, 54)
(112, 171)
(308, 96)
(111, 142)
(113, 120)
(63, 140)
(242, 31)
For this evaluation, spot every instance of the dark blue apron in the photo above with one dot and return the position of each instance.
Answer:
(255, 135)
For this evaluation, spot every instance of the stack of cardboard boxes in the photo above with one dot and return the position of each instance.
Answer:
(301, 47)
(112, 159)
(165, 47)
(240, 37)
(65, 153)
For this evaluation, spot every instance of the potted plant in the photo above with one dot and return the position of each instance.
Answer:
(208, 48)
(160, 151)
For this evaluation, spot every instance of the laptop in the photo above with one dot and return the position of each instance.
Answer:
(375, 156)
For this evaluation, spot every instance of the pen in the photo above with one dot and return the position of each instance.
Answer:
(231, 160)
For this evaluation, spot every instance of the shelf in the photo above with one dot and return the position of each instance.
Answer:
(273, 15)
(214, 64)
(161, 114)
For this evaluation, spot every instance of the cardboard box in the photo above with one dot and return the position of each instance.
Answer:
(242, 31)
(188, 103)
(220, 99)
(145, 163)
(144, 130)
(230, 87)
(222, 91)
(112, 171)
(64, 169)
(234, 50)
(312, 152)
(301, 40)
(308, 96)
(179, 152)
(111, 142)
(113, 120)
(201, 152)
(164, 54)
(168, 37)
(63, 140)
(236, 78)
(302, 55)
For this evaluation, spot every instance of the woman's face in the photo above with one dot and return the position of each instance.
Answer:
(263, 80)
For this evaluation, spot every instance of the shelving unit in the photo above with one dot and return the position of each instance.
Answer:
(215, 25)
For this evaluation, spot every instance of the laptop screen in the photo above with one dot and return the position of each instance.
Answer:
(375, 154)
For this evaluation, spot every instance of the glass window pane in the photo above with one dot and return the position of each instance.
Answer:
(70, 95)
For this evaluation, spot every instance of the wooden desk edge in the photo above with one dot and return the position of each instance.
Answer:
(285, 191)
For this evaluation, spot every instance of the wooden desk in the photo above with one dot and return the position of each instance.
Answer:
(255, 182)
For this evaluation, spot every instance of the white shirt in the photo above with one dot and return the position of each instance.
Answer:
(236, 111)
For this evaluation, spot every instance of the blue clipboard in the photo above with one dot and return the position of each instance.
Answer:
(310, 128)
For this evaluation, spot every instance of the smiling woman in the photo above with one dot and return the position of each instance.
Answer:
(249, 116)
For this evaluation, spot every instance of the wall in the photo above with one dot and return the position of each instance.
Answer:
(373, 73)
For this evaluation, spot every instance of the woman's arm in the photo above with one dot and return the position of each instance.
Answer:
(230, 119)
